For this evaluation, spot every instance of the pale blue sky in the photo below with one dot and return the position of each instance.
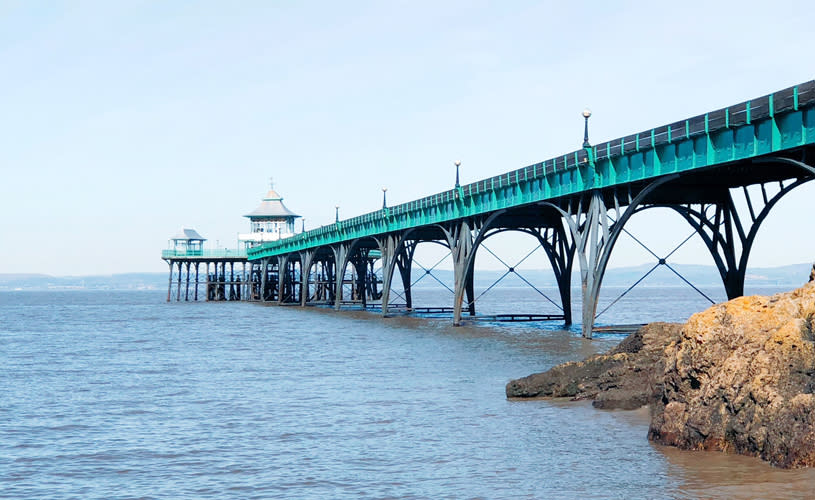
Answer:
(122, 121)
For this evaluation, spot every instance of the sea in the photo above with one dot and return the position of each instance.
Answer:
(121, 395)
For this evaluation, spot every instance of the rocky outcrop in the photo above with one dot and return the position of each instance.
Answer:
(738, 377)
(741, 378)
(623, 378)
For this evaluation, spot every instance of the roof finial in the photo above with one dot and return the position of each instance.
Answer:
(271, 182)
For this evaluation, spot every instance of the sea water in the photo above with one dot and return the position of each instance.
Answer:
(122, 395)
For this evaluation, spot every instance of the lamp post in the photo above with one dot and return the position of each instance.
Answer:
(336, 213)
(586, 115)
(458, 164)
(384, 199)
(303, 220)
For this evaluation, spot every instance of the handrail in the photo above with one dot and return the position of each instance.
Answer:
(218, 253)
(784, 101)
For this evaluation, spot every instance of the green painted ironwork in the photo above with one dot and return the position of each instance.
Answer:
(771, 124)
(224, 253)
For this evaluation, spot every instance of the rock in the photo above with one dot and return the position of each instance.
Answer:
(740, 378)
(623, 378)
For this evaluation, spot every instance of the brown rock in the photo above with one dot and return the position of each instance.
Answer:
(740, 378)
(623, 378)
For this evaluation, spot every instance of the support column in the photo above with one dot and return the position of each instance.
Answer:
(460, 239)
(341, 259)
(170, 282)
(404, 263)
(264, 271)
(360, 262)
(187, 289)
(275, 274)
(330, 280)
(231, 280)
(282, 277)
(222, 282)
(594, 239)
(388, 250)
(561, 257)
(469, 287)
(208, 292)
(196, 281)
(247, 284)
(306, 259)
(178, 287)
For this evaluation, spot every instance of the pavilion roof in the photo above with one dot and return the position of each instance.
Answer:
(271, 206)
(187, 233)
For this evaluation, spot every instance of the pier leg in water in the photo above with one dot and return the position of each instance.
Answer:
(388, 252)
(341, 258)
(594, 237)
(282, 277)
(397, 256)
(460, 239)
(359, 262)
(560, 252)
(307, 258)
(197, 264)
(178, 288)
(470, 289)
(170, 284)
(264, 274)
(404, 263)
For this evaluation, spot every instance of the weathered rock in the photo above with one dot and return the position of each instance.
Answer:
(740, 378)
(623, 378)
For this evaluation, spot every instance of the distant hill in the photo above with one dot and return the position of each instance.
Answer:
(699, 275)
(661, 276)
(125, 281)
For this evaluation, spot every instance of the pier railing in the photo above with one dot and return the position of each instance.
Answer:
(221, 253)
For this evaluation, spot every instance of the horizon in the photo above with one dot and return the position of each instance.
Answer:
(440, 269)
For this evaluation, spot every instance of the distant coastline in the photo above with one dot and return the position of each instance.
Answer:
(123, 281)
(699, 275)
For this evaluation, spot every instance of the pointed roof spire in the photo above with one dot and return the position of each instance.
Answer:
(272, 205)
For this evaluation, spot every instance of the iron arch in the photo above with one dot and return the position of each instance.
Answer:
(722, 247)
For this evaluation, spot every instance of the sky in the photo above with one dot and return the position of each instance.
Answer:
(122, 121)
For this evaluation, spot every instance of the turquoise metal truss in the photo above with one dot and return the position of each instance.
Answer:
(771, 124)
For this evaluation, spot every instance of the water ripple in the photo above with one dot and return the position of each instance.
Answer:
(120, 395)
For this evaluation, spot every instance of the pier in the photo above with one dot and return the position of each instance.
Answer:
(706, 168)
(206, 274)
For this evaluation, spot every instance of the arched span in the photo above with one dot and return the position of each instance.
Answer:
(720, 225)
(552, 239)
(319, 275)
(355, 252)
(398, 250)
(594, 240)
(268, 286)
(289, 270)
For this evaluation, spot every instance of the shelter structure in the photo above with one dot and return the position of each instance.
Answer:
(270, 221)
(188, 242)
